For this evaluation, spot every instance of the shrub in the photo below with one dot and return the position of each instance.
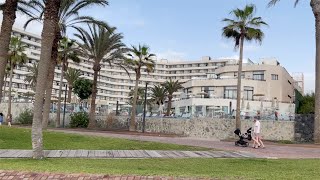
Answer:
(25, 117)
(79, 119)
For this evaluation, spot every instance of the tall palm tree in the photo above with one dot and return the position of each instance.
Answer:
(140, 96)
(50, 27)
(243, 26)
(31, 77)
(9, 8)
(67, 50)
(71, 76)
(100, 45)
(140, 58)
(16, 57)
(171, 87)
(158, 94)
(315, 6)
(69, 17)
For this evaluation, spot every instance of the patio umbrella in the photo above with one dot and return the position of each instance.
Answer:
(248, 106)
(277, 105)
(186, 109)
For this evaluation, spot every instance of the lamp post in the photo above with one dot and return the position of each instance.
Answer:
(64, 107)
(117, 108)
(144, 109)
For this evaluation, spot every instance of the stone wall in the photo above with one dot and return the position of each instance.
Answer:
(16, 109)
(304, 128)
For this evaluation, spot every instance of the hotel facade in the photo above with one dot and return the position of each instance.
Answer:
(207, 82)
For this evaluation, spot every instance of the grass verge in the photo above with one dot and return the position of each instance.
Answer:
(216, 168)
(20, 138)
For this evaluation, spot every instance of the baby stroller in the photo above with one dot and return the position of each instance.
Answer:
(241, 141)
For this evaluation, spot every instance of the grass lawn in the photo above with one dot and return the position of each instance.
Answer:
(219, 168)
(20, 138)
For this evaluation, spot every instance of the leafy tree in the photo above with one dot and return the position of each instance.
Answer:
(71, 76)
(140, 58)
(171, 87)
(306, 104)
(31, 77)
(158, 94)
(100, 44)
(16, 57)
(83, 88)
(243, 26)
(140, 96)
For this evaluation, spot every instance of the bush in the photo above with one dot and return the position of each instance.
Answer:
(25, 117)
(79, 119)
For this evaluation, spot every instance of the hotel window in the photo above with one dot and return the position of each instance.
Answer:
(230, 92)
(258, 75)
(274, 77)
(248, 93)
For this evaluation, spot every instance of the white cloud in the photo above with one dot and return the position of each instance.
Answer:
(172, 55)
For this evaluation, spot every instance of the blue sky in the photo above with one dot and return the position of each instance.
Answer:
(188, 30)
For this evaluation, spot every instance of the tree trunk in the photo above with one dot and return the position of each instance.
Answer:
(70, 93)
(47, 102)
(9, 16)
(10, 88)
(315, 4)
(169, 104)
(50, 26)
(132, 126)
(4, 87)
(92, 114)
(59, 98)
(238, 120)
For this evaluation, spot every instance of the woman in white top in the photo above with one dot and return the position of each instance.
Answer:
(256, 134)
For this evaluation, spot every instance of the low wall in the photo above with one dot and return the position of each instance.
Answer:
(304, 128)
(218, 128)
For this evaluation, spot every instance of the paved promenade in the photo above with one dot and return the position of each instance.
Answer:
(272, 150)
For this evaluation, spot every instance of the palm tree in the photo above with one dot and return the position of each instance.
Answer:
(9, 8)
(100, 45)
(244, 26)
(171, 87)
(49, 30)
(140, 57)
(67, 51)
(140, 96)
(31, 77)
(16, 57)
(71, 76)
(315, 5)
(159, 93)
(69, 17)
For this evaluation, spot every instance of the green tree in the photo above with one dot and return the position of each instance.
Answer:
(315, 6)
(171, 87)
(71, 76)
(31, 77)
(306, 104)
(69, 17)
(140, 96)
(140, 58)
(16, 57)
(83, 88)
(100, 45)
(49, 30)
(158, 94)
(243, 26)
(67, 51)
(9, 8)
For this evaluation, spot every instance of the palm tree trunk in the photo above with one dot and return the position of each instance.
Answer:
(54, 55)
(92, 119)
(50, 27)
(238, 120)
(69, 93)
(10, 88)
(9, 16)
(59, 98)
(315, 4)
(169, 105)
(132, 126)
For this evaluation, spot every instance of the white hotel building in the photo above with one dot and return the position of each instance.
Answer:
(209, 82)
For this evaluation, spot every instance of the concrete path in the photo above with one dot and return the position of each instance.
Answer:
(272, 150)
(46, 176)
(124, 154)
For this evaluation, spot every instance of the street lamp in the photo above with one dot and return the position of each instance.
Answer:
(117, 108)
(64, 107)
(144, 109)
